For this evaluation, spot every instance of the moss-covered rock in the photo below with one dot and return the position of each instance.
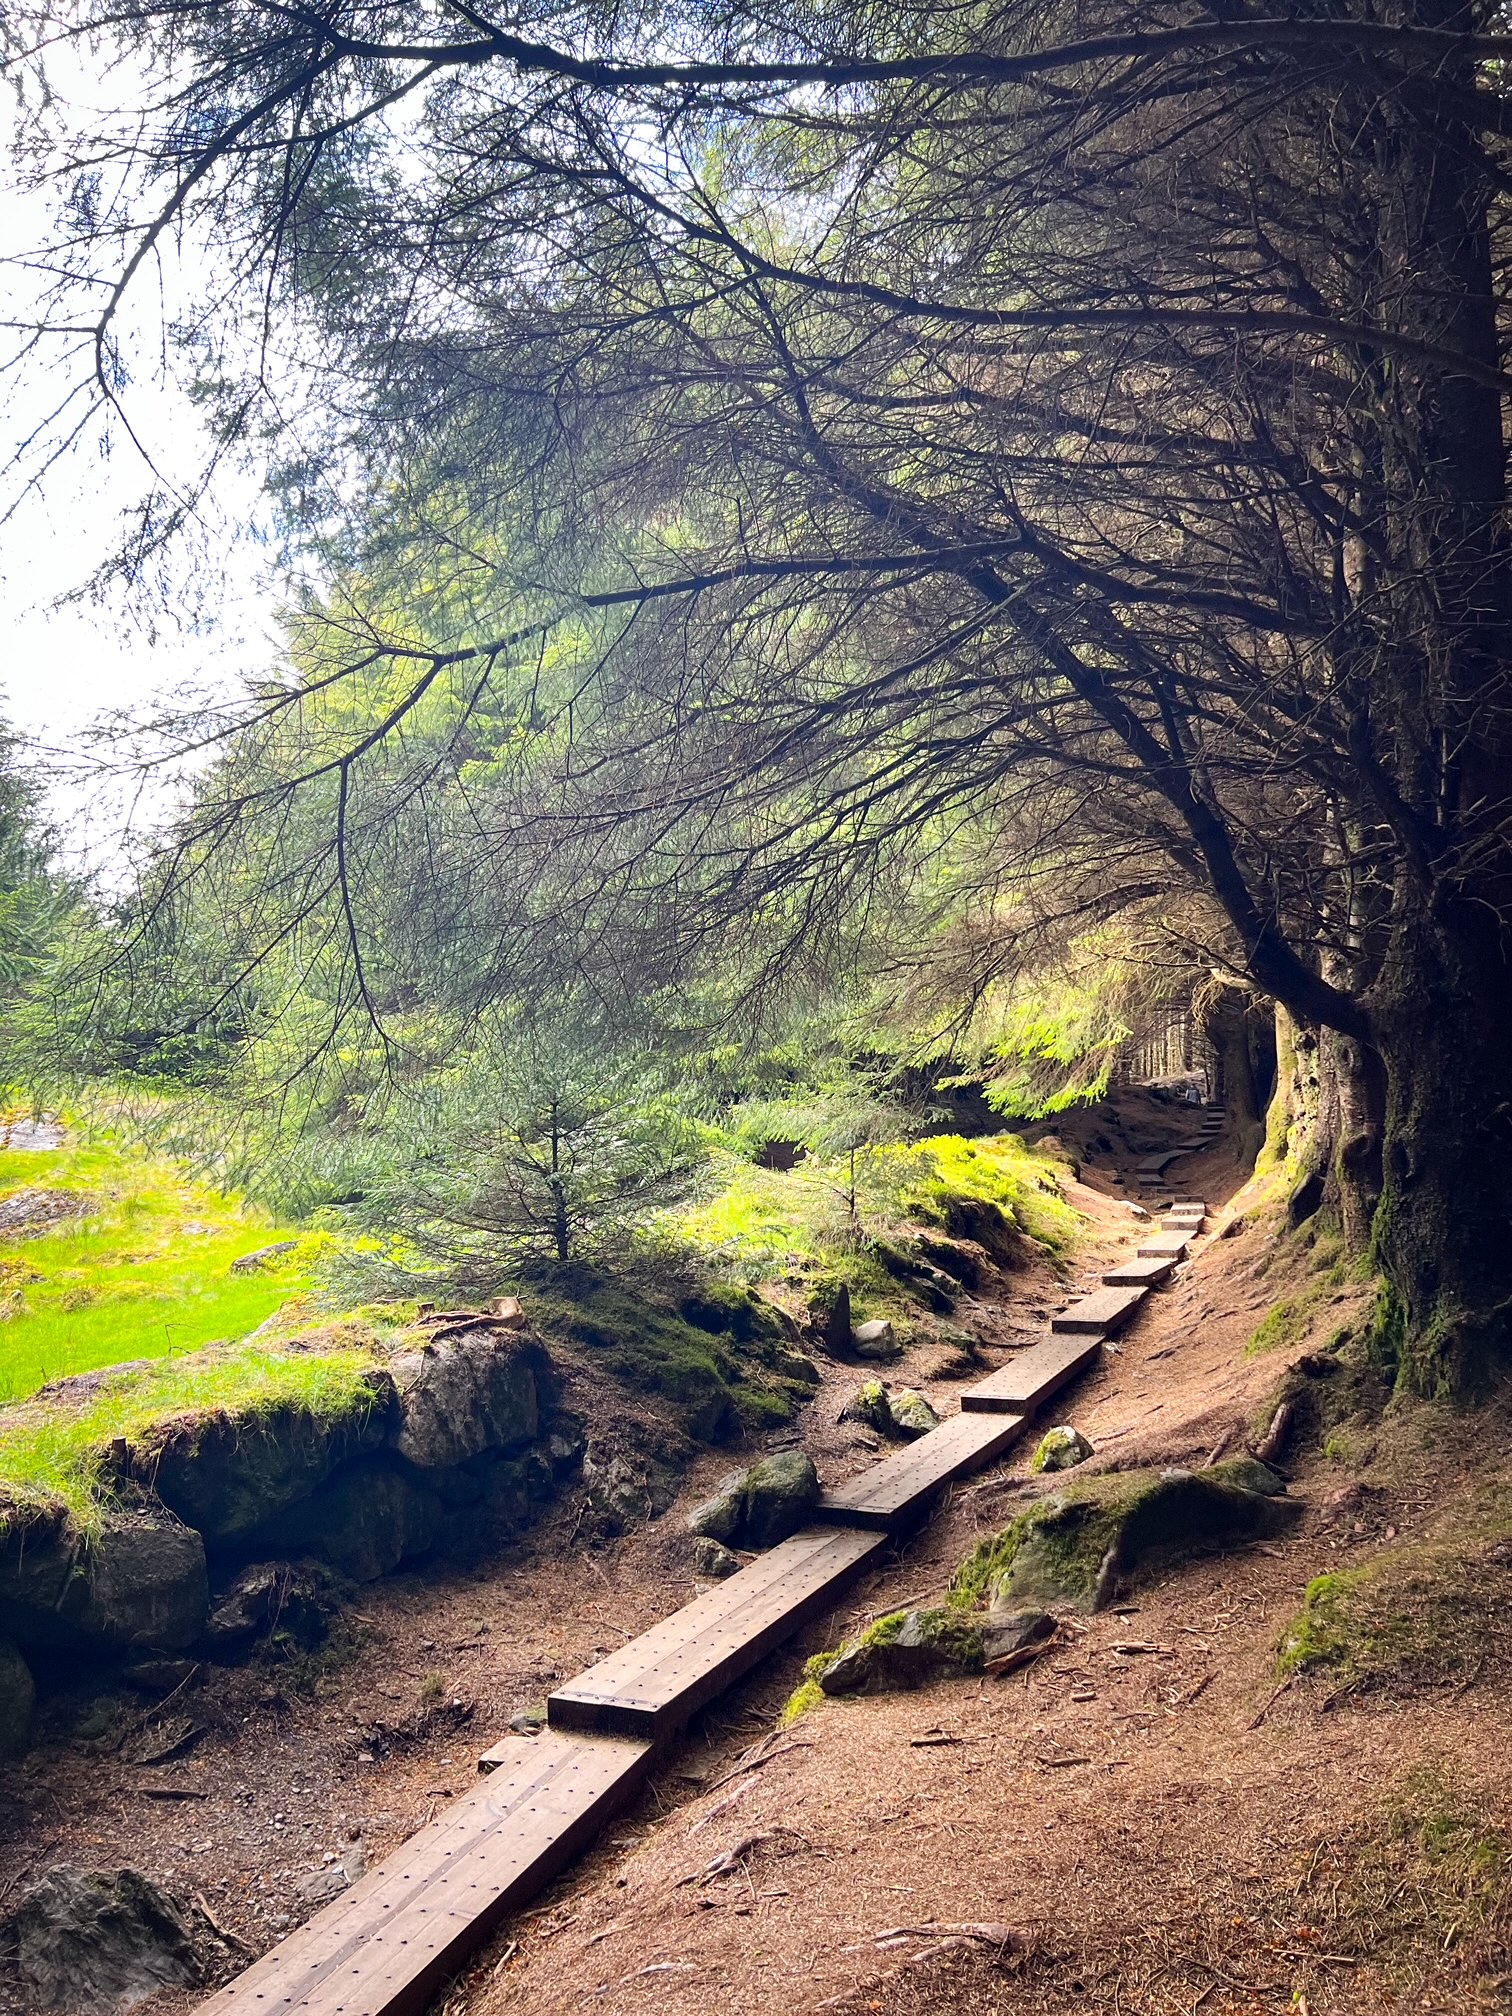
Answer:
(867, 1406)
(713, 1560)
(228, 1474)
(1060, 1448)
(908, 1649)
(1083, 1543)
(762, 1505)
(911, 1414)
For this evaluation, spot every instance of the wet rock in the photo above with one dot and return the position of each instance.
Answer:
(466, 1394)
(18, 1700)
(91, 1940)
(910, 1414)
(1060, 1448)
(907, 1650)
(713, 1561)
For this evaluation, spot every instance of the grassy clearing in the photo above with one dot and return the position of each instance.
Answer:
(773, 1225)
(144, 1274)
(52, 1451)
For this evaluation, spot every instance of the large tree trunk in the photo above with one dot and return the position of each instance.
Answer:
(1443, 1227)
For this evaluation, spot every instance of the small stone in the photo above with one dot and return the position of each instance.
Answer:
(868, 1406)
(1060, 1448)
(713, 1560)
(1010, 1632)
(872, 1332)
(910, 1413)
(906, 1651)
(529, 1721)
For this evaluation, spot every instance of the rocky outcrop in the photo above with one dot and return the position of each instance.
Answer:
(231, 1475)
(136, 1581)
(1083, 1544)
(462, 1396)
(93, 1940)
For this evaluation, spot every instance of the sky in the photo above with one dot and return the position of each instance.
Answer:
(68, 664)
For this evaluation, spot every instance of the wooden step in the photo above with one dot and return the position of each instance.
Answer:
(658, 1680)
(890, 1494)
(1033, 1377)
(1138, 1274)
(1151, 1165)
(1099, 1314)
(384, 1947)
(1165, 1245)
(1191, 1221)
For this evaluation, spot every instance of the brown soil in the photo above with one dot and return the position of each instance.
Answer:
(1137, 1823)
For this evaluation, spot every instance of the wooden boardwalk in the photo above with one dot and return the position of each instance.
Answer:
(894, 1494)
(384, 1947)
(652, 1685)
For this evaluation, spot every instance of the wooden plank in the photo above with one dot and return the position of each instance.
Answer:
(1033, 1377)
(1183, 1221)
(1165, 1245)
(658, 1680)
(891, 1493)
(1151, 1165)
(385, 1946)
(1101, 1313)
(1138, 1274)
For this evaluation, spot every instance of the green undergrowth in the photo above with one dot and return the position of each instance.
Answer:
(56, 1450)
(766, 1225)
(1332, 1280)
(808, 1693)
(143, 1272)
(1432, 1614)
(719, 1355)
(1424, 1889)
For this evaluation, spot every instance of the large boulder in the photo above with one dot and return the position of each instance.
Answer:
(762, 1505)
(780, 1493)
(230, 1476)
(463, 1395)
(18, 1699)
(92, 1940)
(137, 1581)
(1081, 1545)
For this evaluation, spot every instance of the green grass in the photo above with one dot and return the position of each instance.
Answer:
(53, 1451)
(144, 1274)
(769, 1223)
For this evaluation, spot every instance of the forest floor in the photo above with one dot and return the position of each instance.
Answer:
(1139, 1822)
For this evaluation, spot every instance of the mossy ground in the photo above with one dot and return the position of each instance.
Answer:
(54, 1451)
(144, 1274)
(719, 1381)
(795, 1227)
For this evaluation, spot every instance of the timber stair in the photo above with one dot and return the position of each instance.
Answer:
(387, 1945)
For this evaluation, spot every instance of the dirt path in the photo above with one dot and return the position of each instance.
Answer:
(1117, 1803)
